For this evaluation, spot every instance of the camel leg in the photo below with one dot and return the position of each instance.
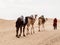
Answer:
(20, 31)
(24, 31)
(43, 26)
(32, 29)
(17, 29)
(27, 29)
(39, 28)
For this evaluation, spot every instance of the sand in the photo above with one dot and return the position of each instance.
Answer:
(49, 36)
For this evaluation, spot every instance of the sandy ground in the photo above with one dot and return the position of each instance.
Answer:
(49, 36)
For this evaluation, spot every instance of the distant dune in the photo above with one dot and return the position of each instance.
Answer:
(49, 36)
(6, 24)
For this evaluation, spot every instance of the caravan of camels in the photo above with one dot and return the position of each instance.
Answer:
(29, 20)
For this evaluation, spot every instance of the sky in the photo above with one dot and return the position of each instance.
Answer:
(12, 9)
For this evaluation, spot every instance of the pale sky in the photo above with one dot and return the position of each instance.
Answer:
(11, 9)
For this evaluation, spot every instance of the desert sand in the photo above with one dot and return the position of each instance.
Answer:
(49, 36)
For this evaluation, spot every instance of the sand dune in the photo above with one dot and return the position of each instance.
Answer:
(49, 36)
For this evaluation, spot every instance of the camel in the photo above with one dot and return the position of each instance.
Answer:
(20, 23)
(41, 21)
(31, 22)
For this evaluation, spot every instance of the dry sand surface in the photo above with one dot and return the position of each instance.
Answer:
(49, 36)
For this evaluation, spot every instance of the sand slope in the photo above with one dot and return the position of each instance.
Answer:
(49, 36)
